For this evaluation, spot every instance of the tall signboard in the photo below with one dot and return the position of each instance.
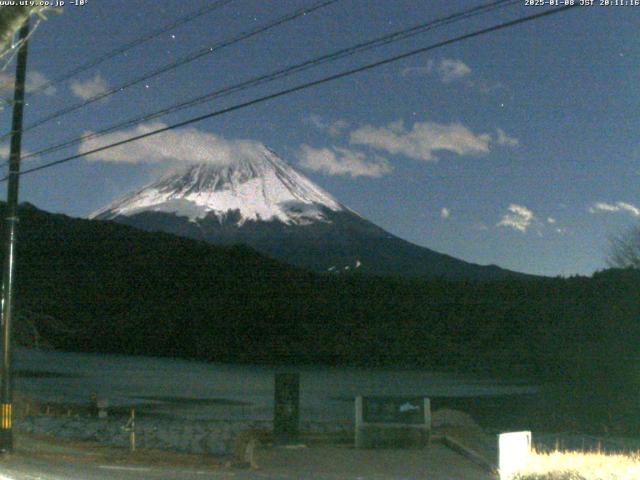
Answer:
(286, 419)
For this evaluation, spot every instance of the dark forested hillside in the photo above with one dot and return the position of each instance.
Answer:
(114, 288)
(100, 286)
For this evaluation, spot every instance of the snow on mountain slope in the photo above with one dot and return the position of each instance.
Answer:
(260, 201)
(260, 188)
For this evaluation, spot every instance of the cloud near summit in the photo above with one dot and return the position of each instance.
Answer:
(421, 141)
(342, 161)
(188, 145)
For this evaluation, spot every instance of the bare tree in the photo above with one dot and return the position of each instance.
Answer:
(624, 251)
(11, 18)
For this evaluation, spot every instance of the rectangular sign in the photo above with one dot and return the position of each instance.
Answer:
(404, 410)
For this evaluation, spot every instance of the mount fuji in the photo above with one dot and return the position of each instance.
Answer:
(263, 202)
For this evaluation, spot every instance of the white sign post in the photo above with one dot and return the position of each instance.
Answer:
(514, 449)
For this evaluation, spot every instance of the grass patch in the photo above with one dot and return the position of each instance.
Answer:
(581, 466)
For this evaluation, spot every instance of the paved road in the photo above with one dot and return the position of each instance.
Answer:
(318, 463)
(46, 469)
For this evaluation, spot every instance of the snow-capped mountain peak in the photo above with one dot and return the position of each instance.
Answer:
(260, 187)
(262, 202)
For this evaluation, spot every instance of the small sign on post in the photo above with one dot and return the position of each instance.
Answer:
(286, 418)
(102, 404)
(392, 422)
(130, 427)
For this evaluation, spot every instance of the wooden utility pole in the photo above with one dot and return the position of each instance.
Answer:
(11, 220)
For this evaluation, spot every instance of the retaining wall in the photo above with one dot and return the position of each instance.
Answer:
(187, 436)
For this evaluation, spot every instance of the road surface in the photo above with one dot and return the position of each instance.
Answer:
(318, 463)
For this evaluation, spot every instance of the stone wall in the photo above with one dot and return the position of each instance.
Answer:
(187, 436)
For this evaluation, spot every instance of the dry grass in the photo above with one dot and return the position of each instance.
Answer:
(581, 466)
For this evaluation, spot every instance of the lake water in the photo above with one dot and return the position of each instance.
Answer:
(200, 390)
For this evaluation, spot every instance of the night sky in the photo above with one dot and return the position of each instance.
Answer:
(518, 148)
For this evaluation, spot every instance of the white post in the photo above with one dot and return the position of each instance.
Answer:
(359, 421)
(427, 418)
(427, 413)
(133, 430)
(514, 449)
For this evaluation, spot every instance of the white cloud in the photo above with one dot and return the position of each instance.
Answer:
(184, 145)
(503, 139)
(518, 217)
(6, 81)
(604, 207)
(450, 70)
(334, 128)
(422, 140)
(89, 88)
(337, 127)
(342, 161)
(35, 80)
(418, 71)
(615, 207)
(485, 86)
(5, 149)
(445, 213)
(551, 220)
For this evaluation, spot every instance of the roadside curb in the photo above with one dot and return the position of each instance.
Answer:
(469, 453)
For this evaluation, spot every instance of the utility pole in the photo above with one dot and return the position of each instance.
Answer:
(6, 394)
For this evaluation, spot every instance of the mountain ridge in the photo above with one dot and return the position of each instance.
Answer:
(263, 202)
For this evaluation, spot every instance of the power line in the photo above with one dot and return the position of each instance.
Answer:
(178, 63)
(134, 43)
(304, 86)
(285, 72)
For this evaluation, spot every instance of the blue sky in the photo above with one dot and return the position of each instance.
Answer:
(518, 148)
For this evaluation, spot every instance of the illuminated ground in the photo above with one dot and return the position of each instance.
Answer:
(52, 460)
